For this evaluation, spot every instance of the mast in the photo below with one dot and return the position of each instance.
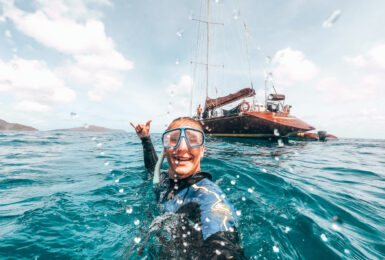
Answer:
(208, 48)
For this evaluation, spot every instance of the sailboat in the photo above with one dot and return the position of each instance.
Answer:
(271, 119)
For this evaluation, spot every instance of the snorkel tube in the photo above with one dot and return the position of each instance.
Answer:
(158, 165)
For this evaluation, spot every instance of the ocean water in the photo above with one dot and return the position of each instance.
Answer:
(87, 196)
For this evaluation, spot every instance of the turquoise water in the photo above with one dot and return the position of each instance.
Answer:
(87, 196)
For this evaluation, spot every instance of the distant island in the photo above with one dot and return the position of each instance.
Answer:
(90, 128)
(5, 126)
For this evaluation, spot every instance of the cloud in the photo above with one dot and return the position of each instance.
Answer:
(94, 58)
(32, 82)
(30, 106)
(332, 19)
(374, 58)
(291, 66)
(370, 68)
(336, 91)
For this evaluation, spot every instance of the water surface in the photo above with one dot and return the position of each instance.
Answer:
(87, 196)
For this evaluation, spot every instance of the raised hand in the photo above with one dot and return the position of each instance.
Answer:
(142, 130)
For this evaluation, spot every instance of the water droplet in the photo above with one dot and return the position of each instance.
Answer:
(231, 229)
(176, 187)
(179, 33)
(268, 59)
(280, 143)
(107, 163)
(188, 233)
(275, 249)
(347, 251)
(237, 176)
(136, 222)
(217, 252)
(197, 227)
(191, 15)
(223, 196)
(102, 153)
(179, 200)
(228, 189)
(99, 145)
(250, 190)
(185, 244)
(276, 132)
(207, 219)
(121, 190)
(137, 239)
(177, 62)
(233, 182)
(236, 14)
(129, 210)
(184, 235)
(73, 115)
(243, 198)
(238, 212)
(268, 76)
(332, 19)
(117, 180)
(287, 229)
(276, 158)
(86, 126)
(264, 170)
(336, 227)
(93, 138)
(324, 238)
(172, 93)
(222, 243)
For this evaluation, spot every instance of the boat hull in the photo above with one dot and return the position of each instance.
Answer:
(255, 125)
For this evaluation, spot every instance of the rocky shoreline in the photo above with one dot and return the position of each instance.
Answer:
(6, 126)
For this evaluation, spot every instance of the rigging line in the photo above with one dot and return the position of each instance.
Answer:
(224, 47)
(239, 31)
(195, 65)
(247, 45)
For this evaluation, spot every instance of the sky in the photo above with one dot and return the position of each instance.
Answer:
(80, 62)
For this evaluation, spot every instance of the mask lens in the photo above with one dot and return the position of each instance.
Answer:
(194, 137)
(170, 139)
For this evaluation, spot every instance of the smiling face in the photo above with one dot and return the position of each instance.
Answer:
(184, 161)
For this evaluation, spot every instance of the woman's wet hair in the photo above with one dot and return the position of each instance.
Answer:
(187, 119)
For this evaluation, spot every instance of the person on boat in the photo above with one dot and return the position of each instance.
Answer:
(212, 110)
(205, 112)
(199, 112)
(186, 190)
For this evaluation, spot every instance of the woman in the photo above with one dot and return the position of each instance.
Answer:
(209, 231)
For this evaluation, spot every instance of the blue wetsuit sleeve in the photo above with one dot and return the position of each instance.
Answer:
(216, 213)
(218, 224)
(149, 155)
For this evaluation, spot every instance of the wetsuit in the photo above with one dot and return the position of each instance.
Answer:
(209, 231)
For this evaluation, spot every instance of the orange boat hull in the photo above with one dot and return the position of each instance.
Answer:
(255, 125)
